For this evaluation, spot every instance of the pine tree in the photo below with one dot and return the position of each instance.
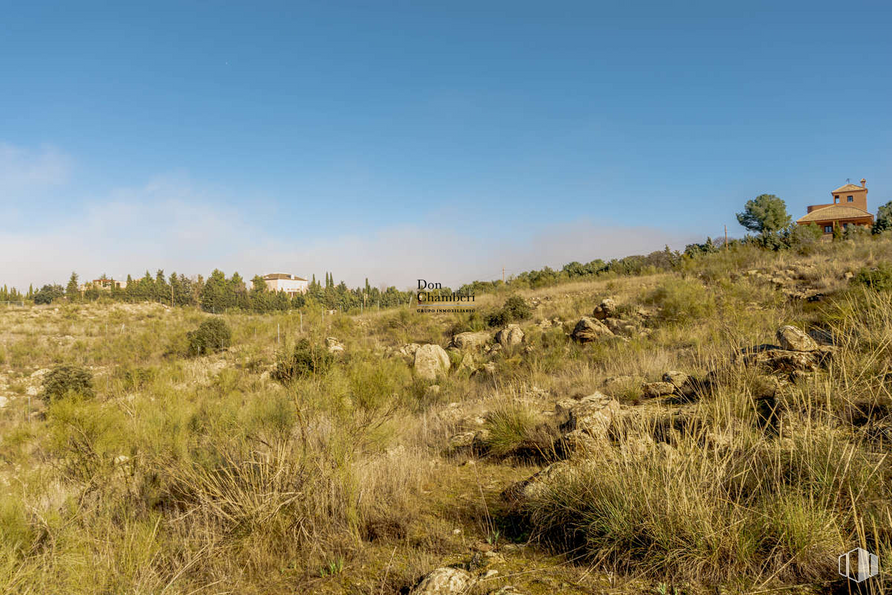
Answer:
(71, 290)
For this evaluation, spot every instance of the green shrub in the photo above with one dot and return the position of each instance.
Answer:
(211, 336)
(515, 308)
(65, 380)
(509, 426)
(135, 378)
(307, 358)
(879, 277)
(803, 238)
(48, 293)
(682, 301)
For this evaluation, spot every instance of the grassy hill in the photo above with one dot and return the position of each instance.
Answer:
(687, 449)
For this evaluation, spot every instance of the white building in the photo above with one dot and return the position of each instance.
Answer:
(290, 284)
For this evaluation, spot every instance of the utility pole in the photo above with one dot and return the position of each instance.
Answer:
(726, 236)
(503, 274)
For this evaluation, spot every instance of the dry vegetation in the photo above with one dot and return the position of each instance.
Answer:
(184, 474)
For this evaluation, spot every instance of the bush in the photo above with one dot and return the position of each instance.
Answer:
(879, 278)
(515, 308)
(48, 293)
(211, 336)
(65, 380)
(682, 301)
(307, 358)
(509, 427)
(803, 238)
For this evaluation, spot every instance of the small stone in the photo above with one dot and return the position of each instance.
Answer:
(444, 581)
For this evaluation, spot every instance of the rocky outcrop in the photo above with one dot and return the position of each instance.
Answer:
(510, 336)
(785, 361)
(431, 361)
(444, 581)
(589, 330)
(471, 341)
(793, 339)
(606, 309)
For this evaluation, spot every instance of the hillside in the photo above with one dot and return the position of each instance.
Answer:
(664, 433)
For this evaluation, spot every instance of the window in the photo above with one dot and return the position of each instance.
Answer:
(845, 226)
(828, 229)
(850, 199)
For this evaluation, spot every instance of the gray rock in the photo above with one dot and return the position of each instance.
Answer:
(592, 414)
(431, 361)
(793, 339)
(469, 340)
(510, 336)
(588, 330)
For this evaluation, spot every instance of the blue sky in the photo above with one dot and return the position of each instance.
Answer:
(398, 140)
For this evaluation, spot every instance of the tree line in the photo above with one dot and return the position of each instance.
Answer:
(217, 293)
(766, 216)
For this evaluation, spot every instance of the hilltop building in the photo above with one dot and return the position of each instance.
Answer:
(849, 207)
(104, 283)
(290, 284)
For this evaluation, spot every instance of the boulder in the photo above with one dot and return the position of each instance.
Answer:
(431, 361)
(510, 335)
(444, 581)
(470, 341)
(592, 414)
(793, 339)
(334, 346)
(588, 330)
(606, 309)
(658, 389)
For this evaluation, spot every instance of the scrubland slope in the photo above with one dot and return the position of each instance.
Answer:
(672, 442)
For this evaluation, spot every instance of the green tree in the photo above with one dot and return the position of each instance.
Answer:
(766, 215)
(884, 218)
(48, 293)
(803, 237)
(71, 290)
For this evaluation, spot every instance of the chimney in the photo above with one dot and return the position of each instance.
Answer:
(863, 182)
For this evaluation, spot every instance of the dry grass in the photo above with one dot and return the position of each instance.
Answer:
(188, 475)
